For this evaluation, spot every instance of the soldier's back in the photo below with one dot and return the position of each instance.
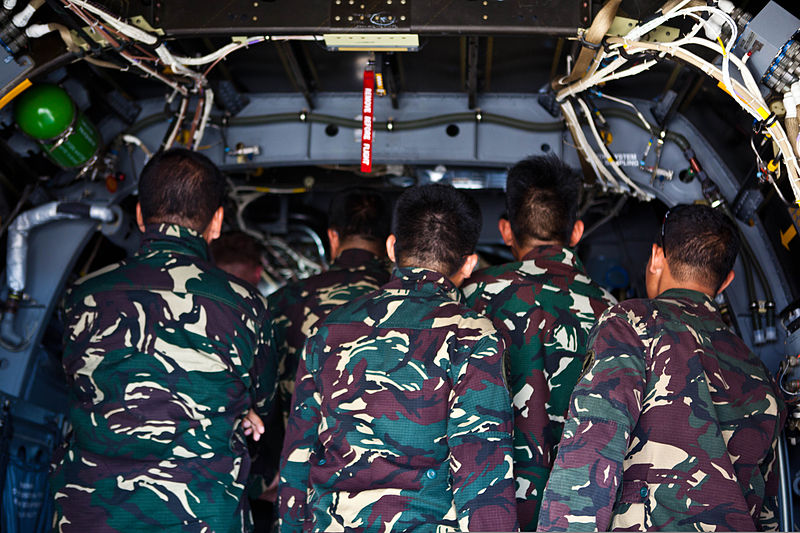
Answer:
(544, 305)
(160, 359)
(400, 373)
(704, 442)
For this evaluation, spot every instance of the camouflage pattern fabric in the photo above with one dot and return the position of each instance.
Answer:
(545, 306)
(674, 427)
(164, 355)
(298, 306)
(401, 418)
(296, 309)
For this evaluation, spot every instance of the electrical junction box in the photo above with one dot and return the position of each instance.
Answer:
(774, 53)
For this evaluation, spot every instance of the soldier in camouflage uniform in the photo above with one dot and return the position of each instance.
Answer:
(239, 254)
(166, 357)
(675, 425)
(358, 220)
(358, 224)
(544, 304)
(401, 419)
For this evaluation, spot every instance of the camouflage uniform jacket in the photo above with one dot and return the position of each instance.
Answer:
(164, 354)
(296, 309)
(401, 419)
(545, 306)
(298, 306)
(674, 427)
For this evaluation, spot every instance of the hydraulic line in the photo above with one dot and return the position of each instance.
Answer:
(631, 117)
(438, 120)
(304, 116)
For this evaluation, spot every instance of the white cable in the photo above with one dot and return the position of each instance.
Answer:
(178, 122)
(131, 139)
(123, 27)
(168, 59)
(644, 121)
(585, 148)
(611, 161)
(209, 103)
(757, 109)
(222, 52)
(138, 64)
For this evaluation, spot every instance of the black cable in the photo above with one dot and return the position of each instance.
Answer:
(438, 120)
(631, 117)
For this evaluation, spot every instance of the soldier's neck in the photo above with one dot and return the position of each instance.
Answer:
(521, 251)
(375, 248)
(667, 282)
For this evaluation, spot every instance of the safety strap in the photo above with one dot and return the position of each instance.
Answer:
(591, 42)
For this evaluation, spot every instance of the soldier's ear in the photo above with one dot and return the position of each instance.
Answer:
(505, 231)
(577, 233)
(390, 240)
(214, 227)
(657, 260)
(465, 271)
(728, 280)
(469, 265)
(333, 239)
(139, 217)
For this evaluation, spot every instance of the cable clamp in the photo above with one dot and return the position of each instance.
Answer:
(587, 44)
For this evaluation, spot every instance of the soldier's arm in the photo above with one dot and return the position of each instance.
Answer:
(604, 407)
(301, 437)
(479, 436)
(768, 519)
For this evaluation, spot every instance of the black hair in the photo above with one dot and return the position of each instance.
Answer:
(436, 227)
(700, 243)
(360, 212)
(235, 247)
(179, 186)
(542, 196)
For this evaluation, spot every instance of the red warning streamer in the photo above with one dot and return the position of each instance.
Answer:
(366, 120)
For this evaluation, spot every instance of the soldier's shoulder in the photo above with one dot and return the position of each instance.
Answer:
(356, 309)
(235, 290)
(104, 274)
(633, 308)
(104, 279)
(492, 280)
(494, 272)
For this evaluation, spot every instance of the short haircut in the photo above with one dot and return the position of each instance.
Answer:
(235, 247)
(436, 227)
(182, 187)
(700, 244)
(360, 212)
(542, 196)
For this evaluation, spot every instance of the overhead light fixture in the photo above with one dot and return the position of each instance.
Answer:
(367, 42)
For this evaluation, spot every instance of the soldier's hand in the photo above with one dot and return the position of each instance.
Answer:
(253, 425)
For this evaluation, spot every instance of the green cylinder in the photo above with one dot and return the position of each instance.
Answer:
(47, 114)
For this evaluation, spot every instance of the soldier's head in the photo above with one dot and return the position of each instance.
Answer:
(696, 249)
(182, 187)
(436, 227)
(542, 196)
(239, 254)
(358, 217)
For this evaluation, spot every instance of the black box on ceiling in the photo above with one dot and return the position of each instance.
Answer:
(423, 17)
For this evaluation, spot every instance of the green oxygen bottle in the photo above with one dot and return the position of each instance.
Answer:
(47, 114)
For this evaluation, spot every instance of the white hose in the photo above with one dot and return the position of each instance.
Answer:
(123, 27)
